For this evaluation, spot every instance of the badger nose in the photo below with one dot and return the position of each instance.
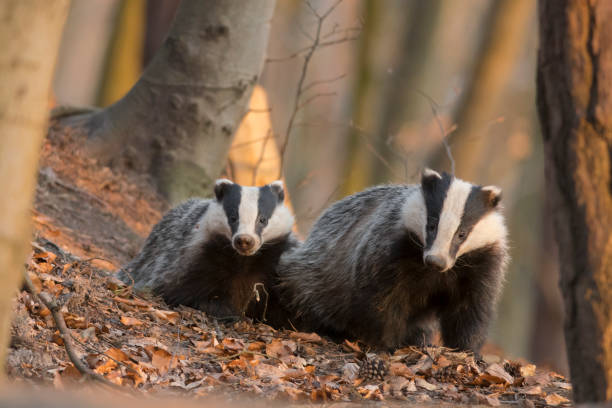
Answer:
(436, 261)
(244, 242)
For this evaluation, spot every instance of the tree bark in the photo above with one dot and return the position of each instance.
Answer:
(177, 123)
(30, 33)
(575, 107)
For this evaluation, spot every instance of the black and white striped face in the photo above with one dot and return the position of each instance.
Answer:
(460, 217)
(255, 215)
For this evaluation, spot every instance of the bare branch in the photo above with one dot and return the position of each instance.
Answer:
(261, 156)
(434, 110)
(296, 105)
(322, 81)
(322, 44)
(313, 97)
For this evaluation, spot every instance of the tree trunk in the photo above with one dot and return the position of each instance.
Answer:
(575, 108)
(503, 38)
(30, 33)
(177, 123)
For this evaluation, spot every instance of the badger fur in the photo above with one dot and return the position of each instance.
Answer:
(209, 253)
(386, 264)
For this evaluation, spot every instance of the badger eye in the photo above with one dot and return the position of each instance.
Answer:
(262, 220)
(233, 219)
(431, 227)
(461, 235)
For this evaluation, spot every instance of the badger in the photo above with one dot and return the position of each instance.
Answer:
(210, 254)
(390, 264)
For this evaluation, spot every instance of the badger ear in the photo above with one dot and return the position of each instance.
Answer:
(429, 176)
(220, 187)
(278, 189)
(492, 195)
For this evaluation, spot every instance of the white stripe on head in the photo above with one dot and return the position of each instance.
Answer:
(247, 213)
(450, 219)
(491, 229)
(279, 224)
(414, 214)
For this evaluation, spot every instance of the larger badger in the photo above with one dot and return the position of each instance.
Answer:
(210, 253)
(386, 264)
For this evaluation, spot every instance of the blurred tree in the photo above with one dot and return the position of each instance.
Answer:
(575, 107)
(502, 39)
(123, 62)
(177, 123)
(30, 33)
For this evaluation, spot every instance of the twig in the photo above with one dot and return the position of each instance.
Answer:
(322, 81)
(261, 156)
(322, 44)
(257, 297)
(65, 334)
(434, 110)
(313, 97)
(300, 85)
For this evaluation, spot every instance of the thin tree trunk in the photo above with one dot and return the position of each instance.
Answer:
(575, 108)
(177, 123)
(30, 33)
(503, 38)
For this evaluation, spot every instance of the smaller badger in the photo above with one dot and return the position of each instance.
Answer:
(389, 263)
(210, 253)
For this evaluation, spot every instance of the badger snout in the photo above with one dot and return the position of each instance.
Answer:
(245, 244)
(436, 261)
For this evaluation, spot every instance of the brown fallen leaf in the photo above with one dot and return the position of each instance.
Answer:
(131, 321)
(36, 281)
(420, 382)
(167, 315)
(47, 256)
(352, 346)
(133, 302)
(498, 371)
(117, 354)
(75, 322)
(256, 346)
(103, 264)
(563, 385)
(232, 344)
(528, 370)
(105, 368)
(309, 337)
(532, 390)
(280, 348)
(400, 369)
(161, 360)
(443, 362)
(490, 400)
(555, 399)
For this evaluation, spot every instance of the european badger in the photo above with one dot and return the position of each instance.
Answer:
(209, 253)
(384, 264)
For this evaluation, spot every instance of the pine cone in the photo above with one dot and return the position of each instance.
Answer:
(373, 368)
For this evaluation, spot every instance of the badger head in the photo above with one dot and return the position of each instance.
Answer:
(254, 215)
(459, 217)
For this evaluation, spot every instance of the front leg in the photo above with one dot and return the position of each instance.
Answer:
(465, 327)
(419, 335)
(219, 309)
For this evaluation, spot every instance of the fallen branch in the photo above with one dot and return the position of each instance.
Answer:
(65, 334)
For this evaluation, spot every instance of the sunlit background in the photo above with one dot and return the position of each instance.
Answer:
(386, 83)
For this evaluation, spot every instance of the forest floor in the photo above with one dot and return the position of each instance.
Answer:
(90, 220)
